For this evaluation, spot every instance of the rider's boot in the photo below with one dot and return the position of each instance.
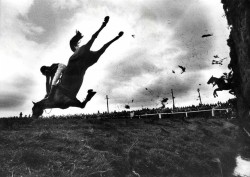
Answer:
(52, 92)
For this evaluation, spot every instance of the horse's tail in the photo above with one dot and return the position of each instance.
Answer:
(75, 40)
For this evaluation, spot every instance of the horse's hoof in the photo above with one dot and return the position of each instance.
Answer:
(106, 19)
(90, 90)
(121, 33)
(91, 93)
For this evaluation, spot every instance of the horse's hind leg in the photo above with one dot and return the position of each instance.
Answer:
(105, 46)
(106, 19)
(94, 36)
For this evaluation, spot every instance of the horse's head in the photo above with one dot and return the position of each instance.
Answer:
(37, 110)
(211, 80)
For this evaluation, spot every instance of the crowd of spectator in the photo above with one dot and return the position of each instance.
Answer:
(153, 114)
(133, 113)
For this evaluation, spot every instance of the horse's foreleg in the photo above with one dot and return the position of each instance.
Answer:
(94, 36)
(105, 46)
(77, 103)
(231, 92)
(91, 93)
(215, 92)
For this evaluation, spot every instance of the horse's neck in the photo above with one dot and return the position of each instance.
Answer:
(216, 80)
(221, 82)
(46, 103)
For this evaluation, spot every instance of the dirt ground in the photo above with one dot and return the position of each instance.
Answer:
(121, 148)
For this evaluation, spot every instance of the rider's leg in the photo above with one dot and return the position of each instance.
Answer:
(60, 69)
(94, 36)
(105, 46)
(52, 92)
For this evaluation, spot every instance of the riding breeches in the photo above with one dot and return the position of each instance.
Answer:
(59, 71)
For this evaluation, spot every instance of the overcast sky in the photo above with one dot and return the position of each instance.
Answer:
(166, 34)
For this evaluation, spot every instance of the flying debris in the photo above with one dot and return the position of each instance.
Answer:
(150, 91)
(173, 71)
(163, 102)
(206, 35)
(199, 84)
(182, 68)
(127, 106)
(214, 62)
(218, 62)
(132, 101)
(133, 35)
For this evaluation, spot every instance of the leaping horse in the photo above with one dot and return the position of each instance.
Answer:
(222, 85)
(71, 81)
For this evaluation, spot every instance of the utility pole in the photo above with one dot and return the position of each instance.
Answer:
(107, 103)
(173, 98)
(199, 96)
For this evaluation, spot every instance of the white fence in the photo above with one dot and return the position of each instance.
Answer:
(186, 113)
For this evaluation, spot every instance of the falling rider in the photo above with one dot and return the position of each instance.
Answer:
(53, 74)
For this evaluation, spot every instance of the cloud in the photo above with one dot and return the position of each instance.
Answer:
(11, 101)
(189, 32)
(134, 65)
(19, 89)
(188, 20)
(161, 46)
(153, 92)
(166, 10)
(66, 4)
(46, 20)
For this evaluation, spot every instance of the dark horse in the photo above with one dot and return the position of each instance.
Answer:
(222, 85)
(70, 84)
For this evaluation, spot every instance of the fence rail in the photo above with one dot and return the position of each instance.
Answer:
(183, 112)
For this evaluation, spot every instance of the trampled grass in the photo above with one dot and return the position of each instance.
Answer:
(119, 148)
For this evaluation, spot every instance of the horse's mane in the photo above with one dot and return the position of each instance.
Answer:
(75, 40)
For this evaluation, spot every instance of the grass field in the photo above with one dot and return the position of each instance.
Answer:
(119, 148)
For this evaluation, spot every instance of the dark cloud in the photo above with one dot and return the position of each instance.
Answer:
(11, 100)
(152, 94)
(188, 33)
(134, 65)
(189, 22)
(166, 11)
(188, 25)
(43, 14)
(161, 88)
(17, 94)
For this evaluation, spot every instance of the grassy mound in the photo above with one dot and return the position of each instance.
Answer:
(119, 148)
